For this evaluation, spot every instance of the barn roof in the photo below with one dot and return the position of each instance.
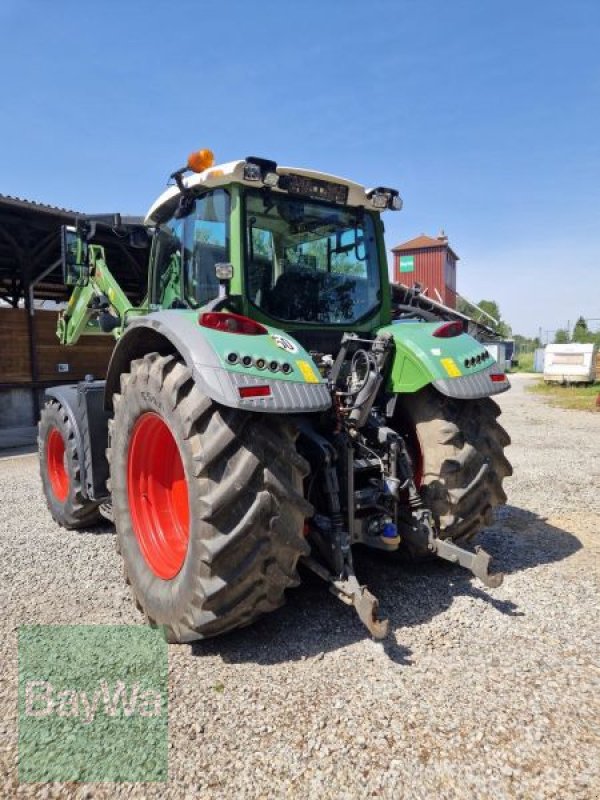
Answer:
(8, 201)
(30, 245)
(423, 242)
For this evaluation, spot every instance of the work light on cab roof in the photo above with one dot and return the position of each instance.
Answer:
(265, 171)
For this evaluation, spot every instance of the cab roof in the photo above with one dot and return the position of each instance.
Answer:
(233, 172)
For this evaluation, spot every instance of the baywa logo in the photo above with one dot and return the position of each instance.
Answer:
(92, 703)
(42, 699)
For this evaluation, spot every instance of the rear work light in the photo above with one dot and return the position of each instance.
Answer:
(261, 169)
(382, 198)
(498, 377)
(231, 323)
(254, 391)
(448, 330)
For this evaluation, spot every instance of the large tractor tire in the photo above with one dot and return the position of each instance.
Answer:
(207, 503)
(458, 455)
(60, 470)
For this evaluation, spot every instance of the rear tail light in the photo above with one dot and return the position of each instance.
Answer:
(231, 323)
(448, 330)
(498, 377)
(254, 391)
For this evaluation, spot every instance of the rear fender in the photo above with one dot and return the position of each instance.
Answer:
(205, 351)
(458, 367)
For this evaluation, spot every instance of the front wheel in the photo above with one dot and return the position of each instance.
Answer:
(207, 503)
(458, 452)
(60, 469)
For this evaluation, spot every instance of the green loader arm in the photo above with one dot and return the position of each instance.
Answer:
(97, 305)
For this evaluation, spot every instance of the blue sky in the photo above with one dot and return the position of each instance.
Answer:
(486, 117)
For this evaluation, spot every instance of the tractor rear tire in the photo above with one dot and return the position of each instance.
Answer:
(60, 470)
(207, 502)
(460, 461)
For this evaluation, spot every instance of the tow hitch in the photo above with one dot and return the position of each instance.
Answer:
(349, 591)
(333, 541)
(422, 536)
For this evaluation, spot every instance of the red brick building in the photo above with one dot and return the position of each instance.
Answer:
(430, 262)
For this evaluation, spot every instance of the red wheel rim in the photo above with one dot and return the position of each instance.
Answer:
(55, 462)
(158, 496)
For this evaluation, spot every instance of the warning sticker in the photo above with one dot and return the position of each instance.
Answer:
(307, 371)
(449, 364)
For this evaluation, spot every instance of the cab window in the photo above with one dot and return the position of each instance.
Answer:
(206, 243)
(166, 257)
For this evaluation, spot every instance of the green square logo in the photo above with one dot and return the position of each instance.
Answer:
(93, 703)
(407, 263)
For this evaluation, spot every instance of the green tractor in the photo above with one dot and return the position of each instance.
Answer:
(268, 403)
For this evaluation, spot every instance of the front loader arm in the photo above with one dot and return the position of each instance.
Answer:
(98, 306)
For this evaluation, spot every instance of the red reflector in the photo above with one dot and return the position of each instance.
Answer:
(498, 377)
(255, 391)
(231, 323)
(449, 329)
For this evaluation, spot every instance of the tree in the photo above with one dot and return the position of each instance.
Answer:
(464, 307)
(561, 336)
(581, 332)
(526, 344)
(490, 307)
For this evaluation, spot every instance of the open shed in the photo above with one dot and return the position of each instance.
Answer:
(31, 357)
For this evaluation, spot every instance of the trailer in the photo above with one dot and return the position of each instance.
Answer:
(570, 363)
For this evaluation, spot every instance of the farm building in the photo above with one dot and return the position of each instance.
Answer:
(31, 294)
(430, 262)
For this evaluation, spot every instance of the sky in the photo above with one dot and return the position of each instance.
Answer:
(485, 115)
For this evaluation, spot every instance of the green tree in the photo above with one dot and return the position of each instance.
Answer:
(464, 307)
(490, 307)
(561, 336)
(526, 344)
(581, 332)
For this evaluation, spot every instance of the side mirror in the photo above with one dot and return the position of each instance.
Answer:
(224, 273)
(74, 256)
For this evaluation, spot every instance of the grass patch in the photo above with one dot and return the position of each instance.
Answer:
(582, 398)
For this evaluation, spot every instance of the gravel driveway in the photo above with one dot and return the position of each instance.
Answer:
(476, 694)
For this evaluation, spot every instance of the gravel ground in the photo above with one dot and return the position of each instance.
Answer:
(476, 694)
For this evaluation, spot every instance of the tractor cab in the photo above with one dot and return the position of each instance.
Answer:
(306, 249)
